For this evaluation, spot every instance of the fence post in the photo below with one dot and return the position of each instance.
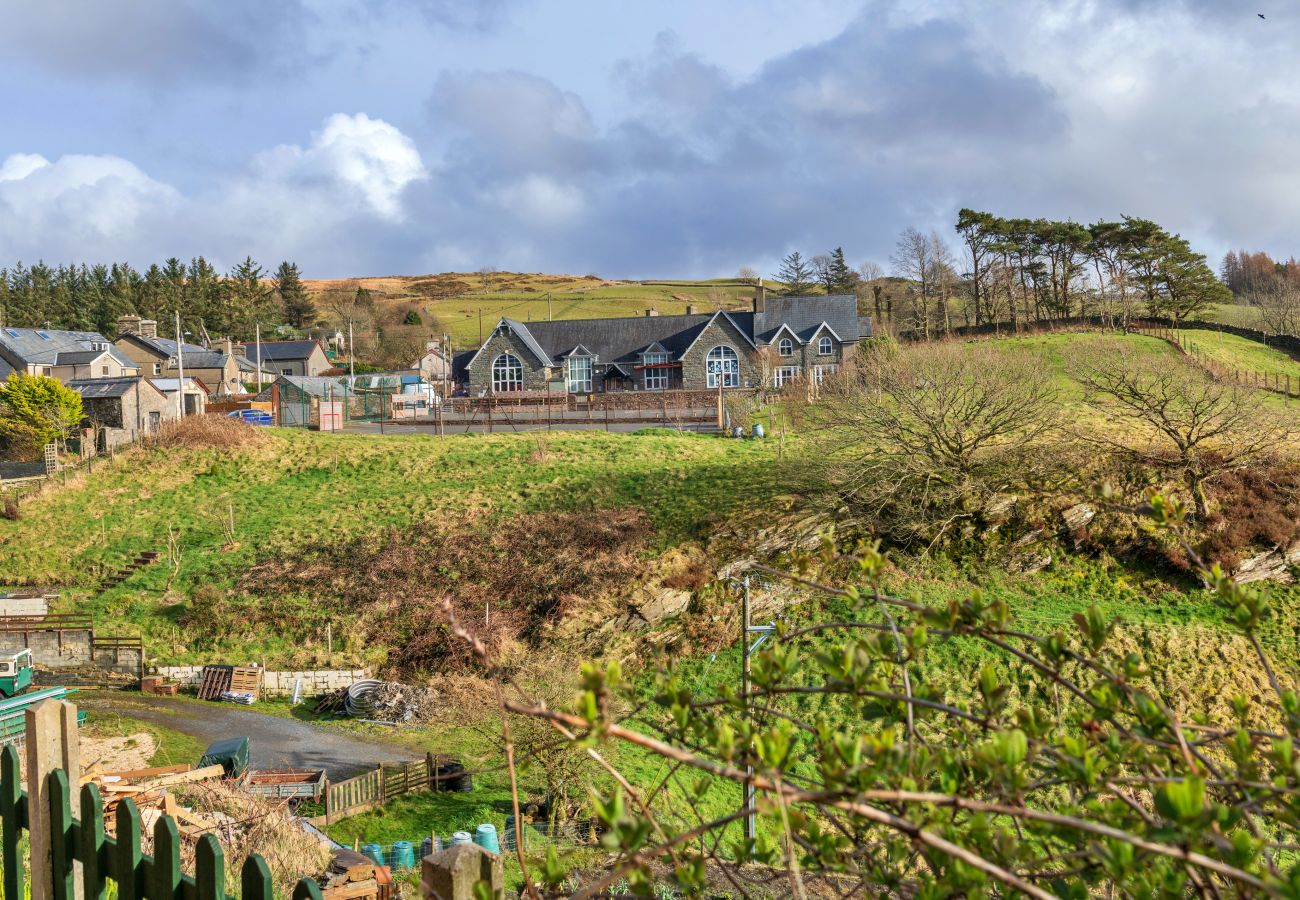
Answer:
(451, 874)
(10, 793)
(52, 744)
(379, 769)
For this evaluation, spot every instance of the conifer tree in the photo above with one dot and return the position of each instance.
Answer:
(841, 279)
(299, 311)
(796, 274)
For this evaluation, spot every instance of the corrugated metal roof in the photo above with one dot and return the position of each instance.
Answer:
(100, 388)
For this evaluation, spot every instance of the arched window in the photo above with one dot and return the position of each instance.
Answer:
(825, 347)
(507, 373)
(722, 367)
(785, 347)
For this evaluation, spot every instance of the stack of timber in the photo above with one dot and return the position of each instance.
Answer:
(242, 683)
(148, 789)
(352, 876)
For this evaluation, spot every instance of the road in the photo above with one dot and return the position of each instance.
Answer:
(274, 742)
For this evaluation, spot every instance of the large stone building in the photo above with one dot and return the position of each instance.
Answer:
(777, 341)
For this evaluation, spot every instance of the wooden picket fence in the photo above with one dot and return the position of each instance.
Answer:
(82, 840)
(377, 786)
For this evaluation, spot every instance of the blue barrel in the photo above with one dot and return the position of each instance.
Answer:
(374, 853)
(758, 430)
(486, 837)
(461, 837)
(403, 855)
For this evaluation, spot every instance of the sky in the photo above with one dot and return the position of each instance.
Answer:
(680, 138)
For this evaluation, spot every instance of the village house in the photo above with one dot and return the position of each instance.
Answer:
(434, 365)
(289, 357)
(65, 355)
(222, 369)
(122, 410)
(772, 344)
(196, 393)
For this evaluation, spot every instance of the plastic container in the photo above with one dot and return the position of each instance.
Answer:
(486, 837)
(461, 837)
(758, 431)
(374, 853)
(403, 855)
(431, 844)
(738, 431)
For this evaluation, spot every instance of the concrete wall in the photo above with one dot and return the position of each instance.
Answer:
(71, 648)
(275, 683)
(27, 607)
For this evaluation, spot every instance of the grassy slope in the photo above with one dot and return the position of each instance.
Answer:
(524, 297)
(1243, 355)
(301, 488)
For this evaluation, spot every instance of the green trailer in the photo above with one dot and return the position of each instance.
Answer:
(15, 672)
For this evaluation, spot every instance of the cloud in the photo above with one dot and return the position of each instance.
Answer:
(334, 198)
(155, 41)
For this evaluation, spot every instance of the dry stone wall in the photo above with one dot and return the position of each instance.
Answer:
(275, 683)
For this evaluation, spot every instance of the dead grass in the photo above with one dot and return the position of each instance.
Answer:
(199, 432)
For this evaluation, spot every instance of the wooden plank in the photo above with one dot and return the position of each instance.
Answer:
(93, 873)
(186, 777)
(136, 774)
(210, 869)
(255, 879)
(352, 891)
(166, 870)
(126, 871)
(62, 881)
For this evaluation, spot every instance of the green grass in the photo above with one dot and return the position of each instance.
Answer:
(1241, 355)
(304, 489)
(1234, 314)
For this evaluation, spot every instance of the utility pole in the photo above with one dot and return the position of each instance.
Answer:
(352, 360)
(548, 307)
(258, 344)
(480, 326)
(180, 370)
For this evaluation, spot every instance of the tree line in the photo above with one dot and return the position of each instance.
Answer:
(1271, 286)
(82, 297)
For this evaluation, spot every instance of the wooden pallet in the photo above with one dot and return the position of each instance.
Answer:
(246, 680)
(215, 680)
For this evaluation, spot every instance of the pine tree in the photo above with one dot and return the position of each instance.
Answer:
(298, 309)
(796, 274)
(841, 279)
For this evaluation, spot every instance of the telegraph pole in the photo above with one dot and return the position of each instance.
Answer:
(180, 371)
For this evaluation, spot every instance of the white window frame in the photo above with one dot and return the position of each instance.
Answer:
(785, 347)
(825, 346)
(286, 371)
(722, 367)
(656, 379)
(820, 372)
(157, 368)
(507, 374)
(783, 375)
(579, 377)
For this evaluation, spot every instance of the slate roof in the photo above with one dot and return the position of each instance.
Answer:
(167, 385)
(42, 347)
(203, 359)
(79, 357)
(623, 339)
(274, 350)
(105, 388)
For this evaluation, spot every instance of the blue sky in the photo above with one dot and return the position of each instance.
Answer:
(630, 139)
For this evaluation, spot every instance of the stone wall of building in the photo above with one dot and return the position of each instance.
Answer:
(72, 648)
(719, 332)
(536, 375)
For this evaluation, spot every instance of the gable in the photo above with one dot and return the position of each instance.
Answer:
(720, 324)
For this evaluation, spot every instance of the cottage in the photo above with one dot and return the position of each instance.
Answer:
(122, 410)
(289, 357)
(434, 365)
(221, 369)
(772, 344)
(65, 355)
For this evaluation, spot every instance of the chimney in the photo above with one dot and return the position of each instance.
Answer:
(651, 312)
(227, 346)
(241, 350)
(129, 324)
(690, 309)
(148, 328)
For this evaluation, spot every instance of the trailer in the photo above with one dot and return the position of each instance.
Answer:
(286, 784)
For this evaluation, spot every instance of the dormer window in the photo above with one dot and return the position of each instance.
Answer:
(785, 347)
(825, 347)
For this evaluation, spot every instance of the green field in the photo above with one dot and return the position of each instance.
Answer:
(300, 490)
(1238, 354)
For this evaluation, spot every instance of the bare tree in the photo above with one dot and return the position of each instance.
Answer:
(943, 277)
(487, 277)
(913, 259)
(747, 275)
(918, 439)
(1176, 417)
(869, 286)
(1278, 301)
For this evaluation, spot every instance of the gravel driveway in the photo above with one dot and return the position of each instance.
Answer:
(274, 742)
